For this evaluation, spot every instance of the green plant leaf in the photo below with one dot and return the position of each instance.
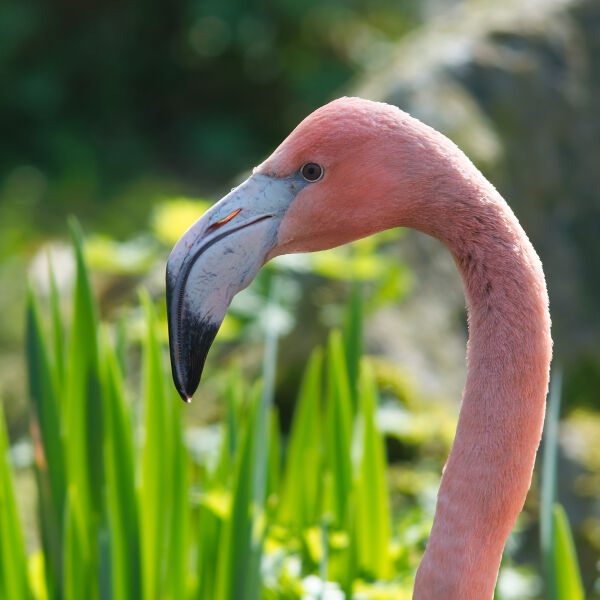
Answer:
(154, 495)
(178, 539)
(234, 396)
(13, 562)
(46, 428)
(548, 487)
(78, 569)
(274, 456)
(209, 542)
(120, 482)
(300, 495)
(566, 568)
(353, 338)
(373, 511)
(236, 558)
(83, 423)
(338, 429)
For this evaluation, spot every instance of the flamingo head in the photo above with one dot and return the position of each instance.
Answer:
(325, 185)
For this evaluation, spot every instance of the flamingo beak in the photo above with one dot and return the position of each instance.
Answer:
(219, 255)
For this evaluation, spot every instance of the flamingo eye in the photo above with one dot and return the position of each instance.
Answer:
(312, 172)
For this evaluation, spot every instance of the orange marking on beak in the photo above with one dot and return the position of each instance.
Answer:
(226, 219)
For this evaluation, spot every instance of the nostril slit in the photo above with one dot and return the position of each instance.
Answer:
(225, 220)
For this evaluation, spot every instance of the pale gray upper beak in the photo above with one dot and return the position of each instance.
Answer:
(216, 257)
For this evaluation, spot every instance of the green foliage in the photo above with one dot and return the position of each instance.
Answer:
(129, 516)
(121, 502)
(338, 431)
(46, 378)
(373, 510)
(568, 578)
(123, 521)
(79, 581)
(83, 414)
(300, 493)
(13, 563)
(156, 460)
(240, 553)
(353, 337)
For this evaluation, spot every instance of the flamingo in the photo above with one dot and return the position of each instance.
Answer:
(352, 168)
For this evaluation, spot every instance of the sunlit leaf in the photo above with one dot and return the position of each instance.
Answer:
(78, 569)
(13, 563)
(274, 457)
(46, 430)
(338, 428)
(237, 552)
(373, 511)
(568, 577)
(156, 458)
(353, 338)
(234, 396)
(83, 424)
(178, 534)
(120, 483)
(303, 471)
(548, 491)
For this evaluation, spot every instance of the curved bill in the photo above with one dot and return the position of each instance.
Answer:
(216, 257)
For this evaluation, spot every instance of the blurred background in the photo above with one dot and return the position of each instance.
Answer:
(136, 117)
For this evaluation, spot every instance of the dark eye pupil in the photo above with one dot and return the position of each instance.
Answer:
(311, 171)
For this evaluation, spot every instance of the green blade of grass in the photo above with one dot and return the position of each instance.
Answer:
(78, 570)
(234, 395)
(153, 500)
(299, 503)
(235, 559)
(46, 427)
(13, 562)
(104, 561)
(212, 522)
(352, 561)
(324, 559)
(274, 457)
(241, 550)
(353, 338)
(84, 404)
(338, 429)
(120, 483)
(263, 427)
(548, 491)
(43, 390)
(566, 568)
(373, 512)
(209, 536)
(177, 567)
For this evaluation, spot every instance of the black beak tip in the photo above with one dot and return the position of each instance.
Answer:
(185, 395)
(189, 349)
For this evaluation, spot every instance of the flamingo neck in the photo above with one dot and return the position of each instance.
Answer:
(488, 472)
